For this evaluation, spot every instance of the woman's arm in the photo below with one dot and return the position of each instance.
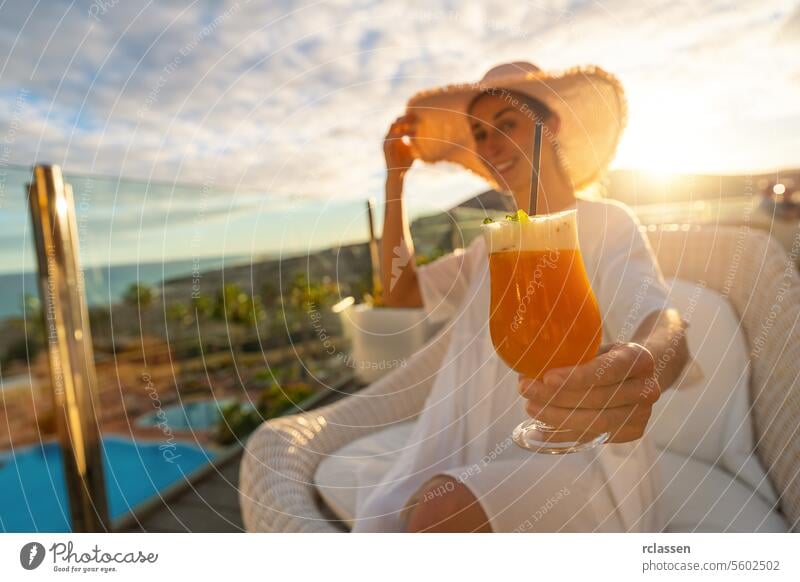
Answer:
(615, 391)
(399, 273)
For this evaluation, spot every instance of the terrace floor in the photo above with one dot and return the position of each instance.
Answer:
(210, 504)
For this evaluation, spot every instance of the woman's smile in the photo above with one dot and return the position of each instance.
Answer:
(505, 166)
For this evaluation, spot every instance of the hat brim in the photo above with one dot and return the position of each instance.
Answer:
(589, 101)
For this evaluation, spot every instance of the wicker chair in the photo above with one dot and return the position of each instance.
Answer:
(745, 265)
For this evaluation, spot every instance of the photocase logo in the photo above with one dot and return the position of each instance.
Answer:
(31, 555)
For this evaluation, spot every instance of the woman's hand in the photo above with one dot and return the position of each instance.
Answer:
(399, 155)
(613, 393)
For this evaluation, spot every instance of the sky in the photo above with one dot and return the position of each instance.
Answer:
(280, 101)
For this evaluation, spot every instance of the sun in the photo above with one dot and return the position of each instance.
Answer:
(657, 157)
(666, 137)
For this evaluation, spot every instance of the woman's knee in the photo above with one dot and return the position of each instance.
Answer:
(444, 504)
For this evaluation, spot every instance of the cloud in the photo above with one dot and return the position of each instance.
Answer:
(790, 31)
(293, 98)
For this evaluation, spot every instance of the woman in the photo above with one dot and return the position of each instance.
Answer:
(459, 471)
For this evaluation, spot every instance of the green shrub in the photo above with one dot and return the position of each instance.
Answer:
(239, 420)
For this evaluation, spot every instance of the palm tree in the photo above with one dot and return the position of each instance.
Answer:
(270, 294)
(178, 313)
(305, 295)
(141, 297)
(203, 306)
(238, 308)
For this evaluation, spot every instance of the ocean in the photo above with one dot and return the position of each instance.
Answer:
(105, 285)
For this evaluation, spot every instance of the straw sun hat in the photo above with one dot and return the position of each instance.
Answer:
(589, 102)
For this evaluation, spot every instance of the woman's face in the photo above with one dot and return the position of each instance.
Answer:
(504, 140)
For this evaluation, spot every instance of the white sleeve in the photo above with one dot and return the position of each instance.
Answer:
(443, 284)
(630, 284)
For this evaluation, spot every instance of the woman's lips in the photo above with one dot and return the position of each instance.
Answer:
(503, 167)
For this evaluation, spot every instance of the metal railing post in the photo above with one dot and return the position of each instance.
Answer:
(69, 347)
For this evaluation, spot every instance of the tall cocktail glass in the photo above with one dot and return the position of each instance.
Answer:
(543, 312)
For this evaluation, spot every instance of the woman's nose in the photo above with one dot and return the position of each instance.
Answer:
(494, 144)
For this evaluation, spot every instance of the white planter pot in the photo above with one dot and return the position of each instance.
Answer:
(382, 338)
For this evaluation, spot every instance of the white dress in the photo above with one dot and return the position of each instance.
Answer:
(464, 429)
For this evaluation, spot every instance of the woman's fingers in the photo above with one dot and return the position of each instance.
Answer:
(409, 118)
(399, 132)
(627, 393)
(612, 367)
(404, 125)
(396, 147)
(614, 393)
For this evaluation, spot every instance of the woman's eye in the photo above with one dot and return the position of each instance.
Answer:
(506, 126)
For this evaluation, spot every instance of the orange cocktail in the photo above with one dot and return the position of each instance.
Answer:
(543, 312)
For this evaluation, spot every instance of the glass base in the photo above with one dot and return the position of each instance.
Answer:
(538, 437)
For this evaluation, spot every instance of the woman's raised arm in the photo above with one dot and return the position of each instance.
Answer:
(399, 274)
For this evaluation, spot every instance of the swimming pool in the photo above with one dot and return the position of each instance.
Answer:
(33, 495)
(195, 415)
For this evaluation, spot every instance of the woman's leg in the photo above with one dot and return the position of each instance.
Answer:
(444, 504)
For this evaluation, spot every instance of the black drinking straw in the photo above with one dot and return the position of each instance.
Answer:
(536, 162)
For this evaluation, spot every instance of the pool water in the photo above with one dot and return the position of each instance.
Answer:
(33, 495)
(197, 415)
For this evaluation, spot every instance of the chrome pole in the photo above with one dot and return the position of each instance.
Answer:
(69, 347)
